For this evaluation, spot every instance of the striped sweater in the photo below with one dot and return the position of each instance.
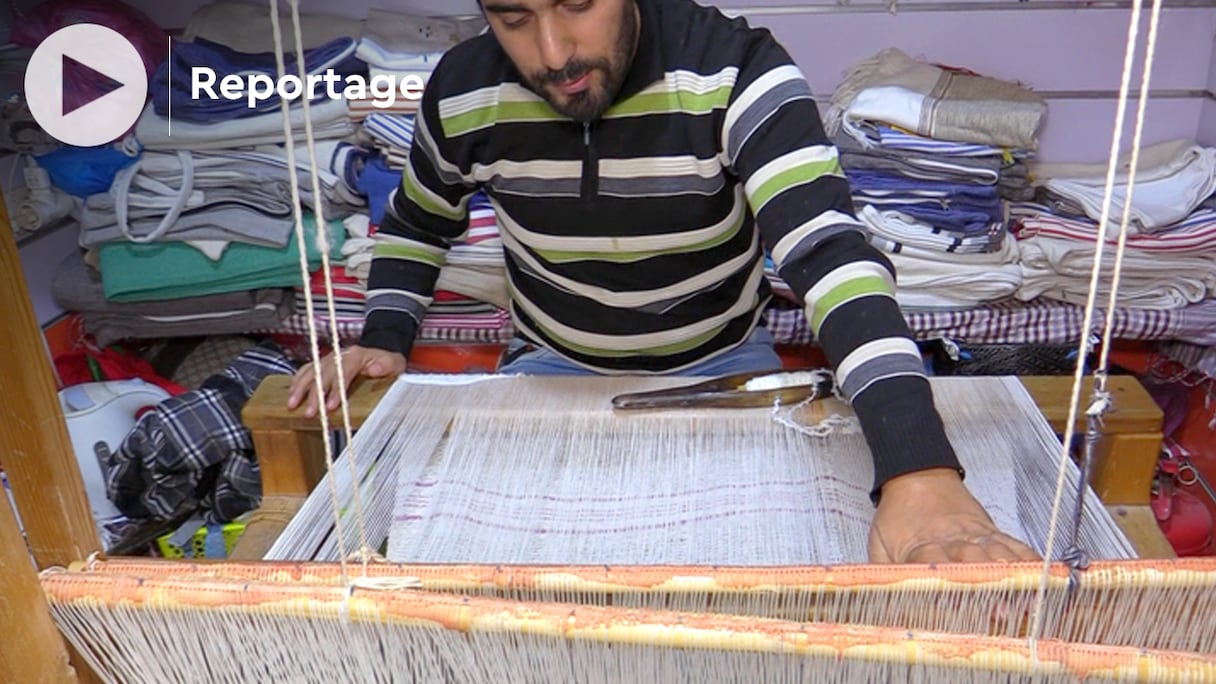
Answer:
(635, 244)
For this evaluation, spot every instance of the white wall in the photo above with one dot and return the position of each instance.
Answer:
(1207, 115)
(1048, 50)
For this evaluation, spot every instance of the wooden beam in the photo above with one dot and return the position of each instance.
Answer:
(290, 450)
(1134, 410)
(267, 408)
(264, 527)
(1125, 458)
(1140, 525)
(33, 648)
(35, 448)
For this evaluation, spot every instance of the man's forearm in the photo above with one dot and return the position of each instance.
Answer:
(854, 315)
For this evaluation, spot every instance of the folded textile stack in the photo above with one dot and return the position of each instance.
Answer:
(471, 298)
(392, 135)
(77, 287)
(171, 269)
(934, 102)
(930, 154)
(1039, 322)
(404, 49)
(1170, 257)
(201, 212)
(211, 199)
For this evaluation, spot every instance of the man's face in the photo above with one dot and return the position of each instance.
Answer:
(573, 53)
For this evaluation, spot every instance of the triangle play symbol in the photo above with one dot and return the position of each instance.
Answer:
(78, 72)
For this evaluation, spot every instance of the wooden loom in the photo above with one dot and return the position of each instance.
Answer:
(1142, 620)
(462, 601)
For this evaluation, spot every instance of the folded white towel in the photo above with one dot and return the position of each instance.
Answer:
(1172, 179)
(1060, 269)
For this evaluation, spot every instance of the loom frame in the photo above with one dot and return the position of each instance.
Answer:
(60, 530)
(292, 457)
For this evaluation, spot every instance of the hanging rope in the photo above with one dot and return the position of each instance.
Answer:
(1100, 397)
(322, 243)
(365, 552)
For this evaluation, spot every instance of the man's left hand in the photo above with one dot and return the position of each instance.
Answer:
(929, 516)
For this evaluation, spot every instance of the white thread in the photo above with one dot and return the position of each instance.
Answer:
(1100, 404)
(847, 424)
(386, 583)
(314, 346)
(347, 594)
(323, 231)
(1133, 31)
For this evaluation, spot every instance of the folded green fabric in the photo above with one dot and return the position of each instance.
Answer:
(174, 270)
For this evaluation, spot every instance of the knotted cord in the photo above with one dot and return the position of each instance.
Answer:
(1101, 399)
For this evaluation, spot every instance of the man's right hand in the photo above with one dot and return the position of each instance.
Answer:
(356, 361)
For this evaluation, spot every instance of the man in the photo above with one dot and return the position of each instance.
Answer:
(639, 153)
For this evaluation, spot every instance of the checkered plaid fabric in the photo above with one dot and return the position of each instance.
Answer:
(1038, 322)
(1041, 321)
(192, 452)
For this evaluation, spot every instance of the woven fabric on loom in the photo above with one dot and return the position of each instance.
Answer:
(540, 470)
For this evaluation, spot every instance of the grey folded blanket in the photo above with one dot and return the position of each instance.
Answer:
(77, 287)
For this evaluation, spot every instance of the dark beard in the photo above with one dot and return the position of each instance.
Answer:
(590, 104)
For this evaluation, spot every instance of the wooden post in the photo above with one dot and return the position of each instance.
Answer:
(1126, 455)
(291, 453)
(33, 649)
(35, 448)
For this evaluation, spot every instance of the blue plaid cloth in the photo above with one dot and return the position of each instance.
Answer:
(192, 452)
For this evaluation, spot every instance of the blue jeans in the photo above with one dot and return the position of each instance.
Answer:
(755, 354)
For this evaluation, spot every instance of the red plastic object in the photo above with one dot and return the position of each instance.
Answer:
(1185, 522)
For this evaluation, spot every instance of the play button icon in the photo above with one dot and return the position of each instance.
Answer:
(75, 72)
(86, 85)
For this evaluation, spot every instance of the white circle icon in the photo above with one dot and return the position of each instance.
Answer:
(93, 54)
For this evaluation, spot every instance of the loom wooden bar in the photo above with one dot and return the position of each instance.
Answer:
(1139, 523)
(35, 449)
(291, 453)
(39, 461)
(292, 462)
(33, 649)
(265, 525)
(1134, 409)
(1125, 459)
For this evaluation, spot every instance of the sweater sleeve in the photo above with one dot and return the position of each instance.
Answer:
(425, 213)
(774, 141)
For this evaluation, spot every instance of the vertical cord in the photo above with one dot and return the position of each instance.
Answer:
(1137, 133)
(364, 548)
(314, 347)
(1133, 30)
(1101, 399)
